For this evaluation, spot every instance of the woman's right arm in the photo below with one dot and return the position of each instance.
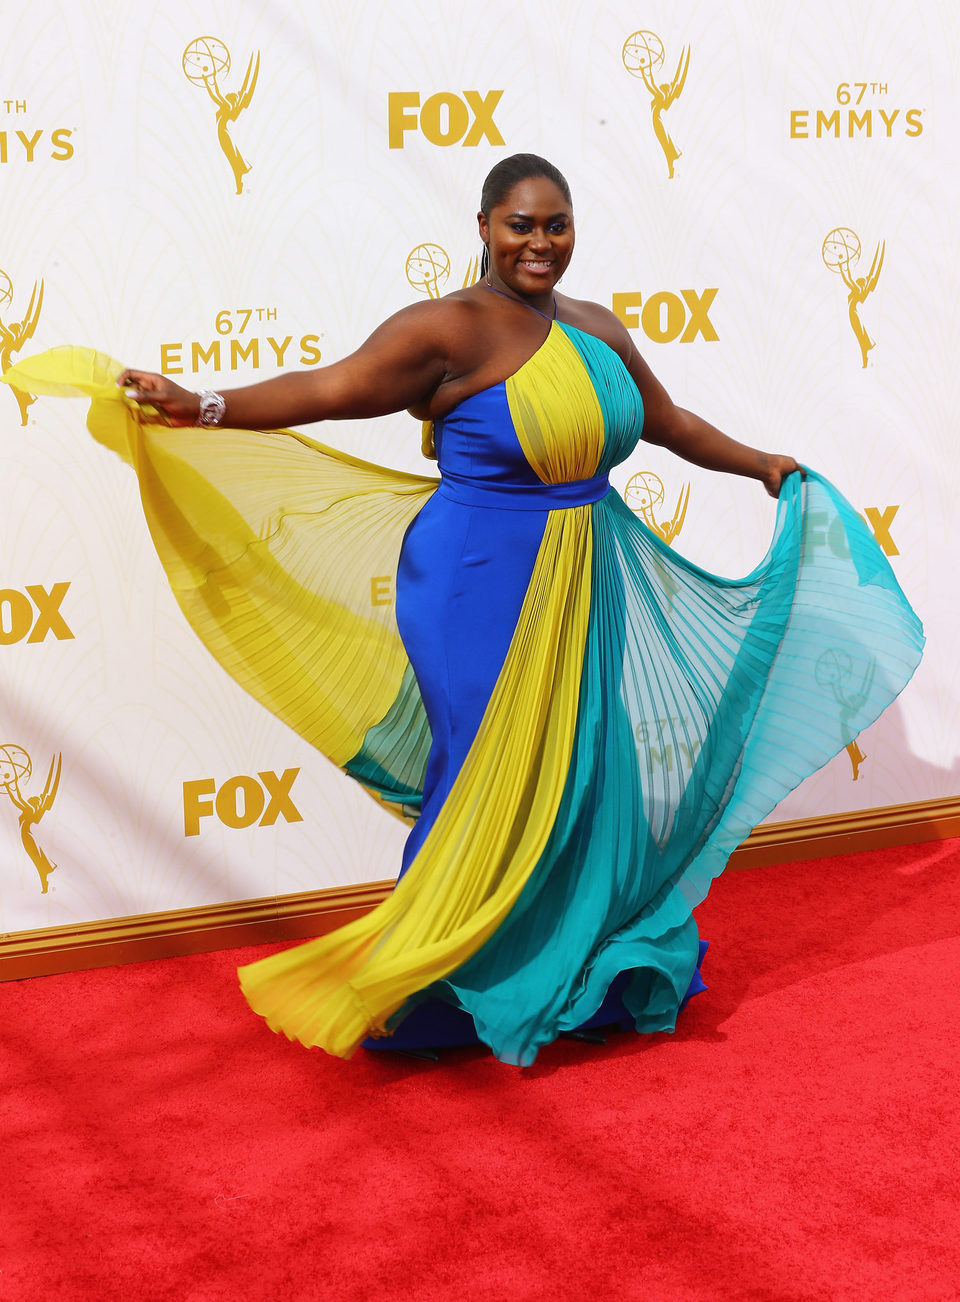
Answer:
(400, 365)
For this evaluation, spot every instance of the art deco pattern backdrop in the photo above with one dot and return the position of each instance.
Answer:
(766, 194)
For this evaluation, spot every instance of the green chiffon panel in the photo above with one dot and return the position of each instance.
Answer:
(703, 702)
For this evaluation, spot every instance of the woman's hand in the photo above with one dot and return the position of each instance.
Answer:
(400, 365)
(177, 406)
(775, 469)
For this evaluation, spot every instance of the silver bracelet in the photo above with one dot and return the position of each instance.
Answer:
(213, 407)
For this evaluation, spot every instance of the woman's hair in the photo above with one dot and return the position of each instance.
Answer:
(507, 173)
(518, 167)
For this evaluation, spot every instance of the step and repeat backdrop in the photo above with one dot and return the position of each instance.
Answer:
(766, 195)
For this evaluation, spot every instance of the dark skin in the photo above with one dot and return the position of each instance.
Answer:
(431, 356)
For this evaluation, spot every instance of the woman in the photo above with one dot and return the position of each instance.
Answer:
(605, 721)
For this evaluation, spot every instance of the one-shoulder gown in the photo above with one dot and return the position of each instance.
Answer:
(583, 724)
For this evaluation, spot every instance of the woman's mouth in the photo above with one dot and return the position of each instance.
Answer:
(537, 266)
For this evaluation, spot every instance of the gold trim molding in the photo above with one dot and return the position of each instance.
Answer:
(70, 948)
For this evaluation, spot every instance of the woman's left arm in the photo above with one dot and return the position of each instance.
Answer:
(696, 440)
(683, 432)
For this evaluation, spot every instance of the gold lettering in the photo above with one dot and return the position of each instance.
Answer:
(240, 354)
(281, 802)
(798, 124)
(814, 535)
(837, 538)
(914, 124)
(889, 119)
(49, 619)
(381, 590)
(310, 353)
(63, 147)
(279, 349)
(483, 123)
(21, 616)
(398, 120)
(699, 323)
(193, 807)
(170, 359)
(652, 318)
(622, 305)
(880, 522)
(205, 357)
(228, 802)
(458, 118)
(828, 122)
(858, 123)
(29, 142)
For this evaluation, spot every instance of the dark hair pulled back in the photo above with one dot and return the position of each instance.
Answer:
(508, 173)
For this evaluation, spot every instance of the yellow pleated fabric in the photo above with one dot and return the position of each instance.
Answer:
(277, 549)
(281, 595)
(493, 828)
(484, 844)
(562, 441)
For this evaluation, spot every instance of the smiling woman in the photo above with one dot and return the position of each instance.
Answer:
(530, 240)
(545, 652)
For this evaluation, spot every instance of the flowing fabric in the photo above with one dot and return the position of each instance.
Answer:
(586, 723)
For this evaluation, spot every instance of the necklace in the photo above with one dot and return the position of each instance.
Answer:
(546, 316)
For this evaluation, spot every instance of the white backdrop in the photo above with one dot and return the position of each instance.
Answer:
(368, 127)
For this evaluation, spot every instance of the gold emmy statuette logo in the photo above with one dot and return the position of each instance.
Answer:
(834, 669)
(205, 61)
(16, 767)
(16, 334)
(642, 55)
(841, 250)
(644, 494)
(428, 269)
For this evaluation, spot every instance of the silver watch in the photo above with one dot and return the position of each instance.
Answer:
(213, 407)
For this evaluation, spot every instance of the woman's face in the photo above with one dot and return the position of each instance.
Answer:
(530, 237)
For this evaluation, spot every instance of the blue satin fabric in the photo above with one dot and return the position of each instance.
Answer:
(464, 571)
(703, 701)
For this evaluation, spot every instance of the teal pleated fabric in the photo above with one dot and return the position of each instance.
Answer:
(631, 717)
(704, 701)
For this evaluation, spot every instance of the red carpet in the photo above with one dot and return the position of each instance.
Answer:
(796, 1139)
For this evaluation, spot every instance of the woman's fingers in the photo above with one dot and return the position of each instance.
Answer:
(163, 401)
(145, 383)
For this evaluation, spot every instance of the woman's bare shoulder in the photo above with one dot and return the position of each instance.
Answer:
(436, 316)
(596, 320)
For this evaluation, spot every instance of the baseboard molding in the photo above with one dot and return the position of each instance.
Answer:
(862, 829)
(184, 931)
(49, 950)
